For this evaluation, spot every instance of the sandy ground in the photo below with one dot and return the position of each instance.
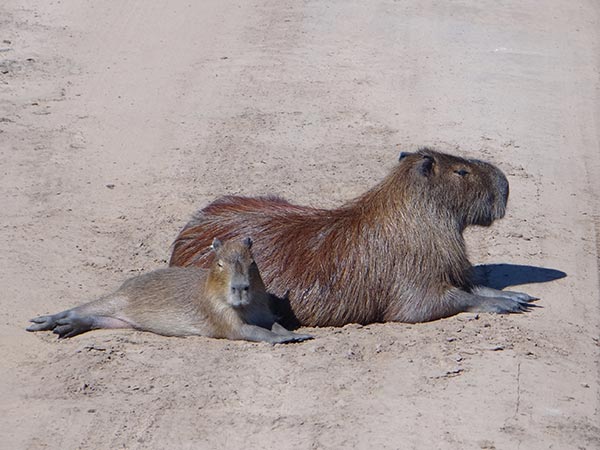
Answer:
(119, 119)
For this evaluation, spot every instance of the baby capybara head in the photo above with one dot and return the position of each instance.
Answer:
(234, 272)
(471, 191)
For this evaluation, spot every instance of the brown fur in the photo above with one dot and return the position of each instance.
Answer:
(396, 253)
(227, 301)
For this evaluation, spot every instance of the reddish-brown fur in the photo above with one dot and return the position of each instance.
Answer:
(396, 253)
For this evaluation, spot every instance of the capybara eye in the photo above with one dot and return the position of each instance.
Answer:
(461, 172)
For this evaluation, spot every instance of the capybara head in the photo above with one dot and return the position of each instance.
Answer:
(234, 271)
(472, 191)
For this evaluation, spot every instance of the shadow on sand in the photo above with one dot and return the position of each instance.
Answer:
(500, 276)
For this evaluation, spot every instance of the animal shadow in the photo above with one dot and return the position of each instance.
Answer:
(283, 311)
(500, 276)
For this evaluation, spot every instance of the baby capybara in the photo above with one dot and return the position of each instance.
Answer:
(228, 300)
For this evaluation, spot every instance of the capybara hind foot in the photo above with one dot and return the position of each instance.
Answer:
(72, 326)
(46, 323)
(69, 323)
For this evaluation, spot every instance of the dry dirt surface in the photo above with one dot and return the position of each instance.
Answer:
(119, 119)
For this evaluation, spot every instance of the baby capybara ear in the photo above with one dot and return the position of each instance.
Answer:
(403, 155)
(247, 242)
(216, 244)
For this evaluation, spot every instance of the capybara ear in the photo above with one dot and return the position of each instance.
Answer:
(247, 242)
(216, 244)
(426, 167)
(403, 155)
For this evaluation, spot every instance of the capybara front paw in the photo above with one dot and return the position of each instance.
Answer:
(294, 338)
(520, 296)
(509, 305)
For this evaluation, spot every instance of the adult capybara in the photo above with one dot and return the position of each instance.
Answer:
(227, 301)
(396, 253)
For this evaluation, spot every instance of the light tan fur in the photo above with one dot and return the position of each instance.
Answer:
(226, 301)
